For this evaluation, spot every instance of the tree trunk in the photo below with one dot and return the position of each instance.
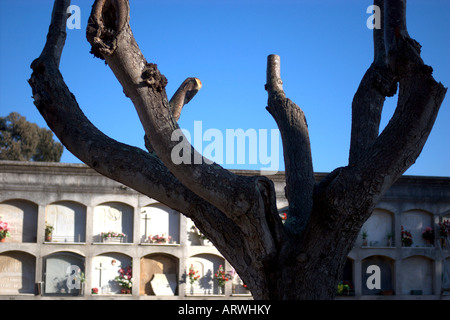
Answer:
(304, 258)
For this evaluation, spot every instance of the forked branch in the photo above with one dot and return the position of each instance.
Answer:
(381, 159)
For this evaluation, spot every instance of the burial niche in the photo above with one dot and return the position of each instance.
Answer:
(21, 216)
(379, 229)
(17, 273)
(371, 276)
(159, 222)
(417, 276)
(206, 265)
(346, 283)
(159, 274)
(68, 220)
(115, 218)
(105, 270)
(416, 221)
(63, 273)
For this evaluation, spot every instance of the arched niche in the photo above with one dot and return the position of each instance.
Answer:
(238, 285)
(379, 228)
(415, 221)
(417, 275)
(61, 270)
(68, 220)
(21, 216)
(206, 265)
(115, 217)
(347, 278)
(159, 269)
(385, 275)
(17, 273)
(105, 268)
(158, 219)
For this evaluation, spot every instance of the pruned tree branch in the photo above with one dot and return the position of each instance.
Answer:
(395, 30)
(56, 36)
(187, 90)
(378, 83)
(379, 55)
(296, 148)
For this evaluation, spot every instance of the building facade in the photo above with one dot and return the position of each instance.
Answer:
(75, 234)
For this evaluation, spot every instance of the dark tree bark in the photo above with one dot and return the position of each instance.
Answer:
(303, 258)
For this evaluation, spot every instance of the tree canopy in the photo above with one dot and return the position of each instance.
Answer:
(22, 140)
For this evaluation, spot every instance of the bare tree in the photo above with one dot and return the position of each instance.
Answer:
(304, 258)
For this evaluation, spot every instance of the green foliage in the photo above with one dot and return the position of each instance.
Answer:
(21, 140)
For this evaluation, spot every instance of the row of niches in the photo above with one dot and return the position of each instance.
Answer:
(416, 275)
(112, 222)
(67, 273)
(415, 228)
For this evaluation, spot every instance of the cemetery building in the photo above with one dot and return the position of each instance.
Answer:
(75, 234)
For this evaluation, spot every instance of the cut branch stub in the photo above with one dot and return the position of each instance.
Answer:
(187, 90)
(274, 82)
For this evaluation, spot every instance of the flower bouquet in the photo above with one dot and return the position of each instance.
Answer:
(193, 276)
(344, 288)
(444, 228)
(221, 278)
(428, 235)
(159, 239)
(444, 232)
(406, 238)
(4, 231)
(112, 236)
(125, 279)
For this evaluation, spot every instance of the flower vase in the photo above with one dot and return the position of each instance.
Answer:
(3, 239)
(222, 290)
(125, 291)
(191, 291)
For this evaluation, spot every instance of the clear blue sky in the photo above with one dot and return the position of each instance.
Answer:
(325, 49)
